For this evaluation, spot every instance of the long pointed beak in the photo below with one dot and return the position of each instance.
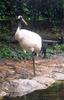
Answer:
(24, 21)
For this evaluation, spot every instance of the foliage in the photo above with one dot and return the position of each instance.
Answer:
(56, 49)
(33, 9)
(50, 12)
(59, 48)
(15, 53)
(8, 52)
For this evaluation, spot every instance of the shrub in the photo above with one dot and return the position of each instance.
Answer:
(8, 52)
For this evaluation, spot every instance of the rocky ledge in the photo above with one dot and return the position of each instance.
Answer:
(16, 77)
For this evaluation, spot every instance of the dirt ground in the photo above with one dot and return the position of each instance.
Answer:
(11, 69)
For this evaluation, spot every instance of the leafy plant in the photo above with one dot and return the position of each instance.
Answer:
(8, 52)
(15, 53)
(55, 49)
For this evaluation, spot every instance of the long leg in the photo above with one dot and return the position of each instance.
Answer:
(33, 58)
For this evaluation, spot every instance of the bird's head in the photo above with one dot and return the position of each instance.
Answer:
(21, 19)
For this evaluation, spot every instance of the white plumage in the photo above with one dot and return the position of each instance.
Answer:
(28, 40)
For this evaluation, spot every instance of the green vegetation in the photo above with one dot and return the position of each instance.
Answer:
(39, 14)
(56, 49)
(43, 16)
(9, 52)
(33, 10)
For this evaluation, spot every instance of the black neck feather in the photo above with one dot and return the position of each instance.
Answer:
(19, 24)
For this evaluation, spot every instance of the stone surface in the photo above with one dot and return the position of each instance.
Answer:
(16, 77)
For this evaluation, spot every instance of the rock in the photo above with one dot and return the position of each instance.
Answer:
(13, 84)
(59, 76)
(20, 87)
(2, 93)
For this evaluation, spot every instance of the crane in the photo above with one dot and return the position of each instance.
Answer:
(28, 40)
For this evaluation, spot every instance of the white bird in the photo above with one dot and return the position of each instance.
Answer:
(28, 40)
